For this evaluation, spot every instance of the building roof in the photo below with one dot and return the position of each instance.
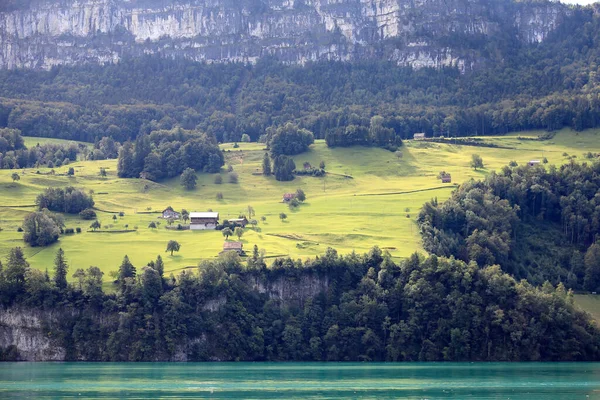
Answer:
(204, 215)
(419, 135)
(232, 246)
(534, 162)
(238, 219)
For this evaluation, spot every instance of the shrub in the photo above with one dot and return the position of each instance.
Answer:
(121, 214)
(219, 196)
(88, 214)
(218, 179)
(233, 177)
(69, 231)
(78, 230)
(19, 229)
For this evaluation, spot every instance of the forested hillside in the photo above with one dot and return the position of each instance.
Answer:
(537, 224)
(351, 308)
(544, 85)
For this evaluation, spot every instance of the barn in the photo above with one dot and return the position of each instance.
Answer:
(233, 246)
(203, 220)
(239, 222)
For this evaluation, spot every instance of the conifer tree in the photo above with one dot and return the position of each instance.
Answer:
(60, 270)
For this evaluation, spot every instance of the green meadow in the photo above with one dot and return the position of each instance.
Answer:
(369, 197)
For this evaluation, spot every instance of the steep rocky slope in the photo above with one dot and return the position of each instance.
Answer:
(43, 33)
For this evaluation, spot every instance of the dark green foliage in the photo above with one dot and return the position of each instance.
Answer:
(283, 168)
(172, 246)
(188, 179)
(95, 225)
(68, 200)
(358, 308)
(174, 151)
(476, 161)
(526, 219)
(266, 165)
(61, 270)
(300, 195)
(289, 140)
(592, 268)
(42, 228)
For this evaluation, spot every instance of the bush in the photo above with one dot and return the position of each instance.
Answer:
(219, 196)
(78, 230)
(69, 231)
(88, 214)
(121, 214)
(233, 177)
(19, 229)
(218, 179)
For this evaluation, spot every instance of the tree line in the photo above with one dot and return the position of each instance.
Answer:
(368, 308)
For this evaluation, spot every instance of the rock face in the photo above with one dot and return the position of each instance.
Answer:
(24, 329)
(44, 33)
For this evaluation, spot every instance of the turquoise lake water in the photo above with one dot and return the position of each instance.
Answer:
(514, 381)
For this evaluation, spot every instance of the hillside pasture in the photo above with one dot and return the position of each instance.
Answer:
(369, 197)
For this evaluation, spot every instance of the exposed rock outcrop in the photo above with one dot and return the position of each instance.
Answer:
(44, 33)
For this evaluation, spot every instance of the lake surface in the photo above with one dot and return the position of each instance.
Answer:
(515, 381)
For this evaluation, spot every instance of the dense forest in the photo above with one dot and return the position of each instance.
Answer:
(354, 308)
(530, 86)
(537, 224)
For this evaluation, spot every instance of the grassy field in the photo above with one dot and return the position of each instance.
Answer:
(377, 206)
(589, 303)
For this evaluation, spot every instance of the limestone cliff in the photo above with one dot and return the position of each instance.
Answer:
(43, 33)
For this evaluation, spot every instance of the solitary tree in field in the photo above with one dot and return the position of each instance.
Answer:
(152, 225)
(103, 172)
(227, 232)
(282, 216)
(185, 215)
(322, 164)
(251, 212)
(95, 225)
(239, 232)
(476, 161)
(71, 171)
(173, 246)
(114, 217)
(246, 138)
(300, 195)
(189, 178)
(263, 218)
(15, 177)
(253, 222)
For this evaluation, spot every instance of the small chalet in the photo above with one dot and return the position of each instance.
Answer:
(419, 136)
(533, 163)
(233, 246)
(288, 197)
(239, 222)
(203, 220)
(169, 213)
(446, 178)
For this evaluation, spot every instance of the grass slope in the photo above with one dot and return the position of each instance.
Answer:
(347, 214)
